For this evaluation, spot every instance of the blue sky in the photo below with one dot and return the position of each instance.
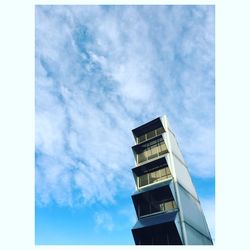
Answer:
(100, 72)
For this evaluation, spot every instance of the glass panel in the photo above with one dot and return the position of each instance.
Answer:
(141, 157)
(144, 208)
(163, 148)
(160, 130)
(153, 152)
(162, 174)
(151, 134)
(149, 208)
(159, 150)
(143, 180)
(153, 177)
(169, 205)
(147, 153)
(151, 143)
(155, 208)
(141, 138)
(155, 203)
(162, 207)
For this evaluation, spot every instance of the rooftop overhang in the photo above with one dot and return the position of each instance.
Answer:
(162, 228)
(154, 124)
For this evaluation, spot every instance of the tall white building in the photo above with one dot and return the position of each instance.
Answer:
(166, 203)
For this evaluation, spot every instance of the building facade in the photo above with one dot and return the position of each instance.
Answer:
(166, 203)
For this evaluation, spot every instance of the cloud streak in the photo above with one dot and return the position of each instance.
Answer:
(104, 220)
(103, 70)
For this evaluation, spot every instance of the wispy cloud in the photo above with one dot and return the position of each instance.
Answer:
(104, 220)
(103, 70)
(116, 218)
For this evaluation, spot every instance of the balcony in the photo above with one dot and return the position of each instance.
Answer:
(149, 135)
(148, 209)
(152, 150)
(155, 199)
(153, 177)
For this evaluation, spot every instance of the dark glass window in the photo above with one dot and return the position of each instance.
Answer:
(141, 138)
(150, 134)
(144, 208)
(152, 205)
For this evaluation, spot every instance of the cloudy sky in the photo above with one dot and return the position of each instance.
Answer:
(100, 72)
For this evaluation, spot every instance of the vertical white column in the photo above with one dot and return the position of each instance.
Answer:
(167, 138)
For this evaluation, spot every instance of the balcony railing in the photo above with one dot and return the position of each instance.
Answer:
(150, 134)
(152, 152)
(153, 177)
(156, 208)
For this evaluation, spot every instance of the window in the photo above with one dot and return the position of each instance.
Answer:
(163, 148)
(143, 208)
(155, 176)
(150, 206)
(142, 156)
(152, 149)
(160, 130)
(154, 208)
(143, 180)
(141, 138)
(150, 134)
(162, 174)
(169, 205)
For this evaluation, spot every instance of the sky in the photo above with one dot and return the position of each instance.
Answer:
(100, 72)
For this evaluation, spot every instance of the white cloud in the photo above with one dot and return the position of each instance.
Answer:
(101, 73)
(129, 216)
(104, 220)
